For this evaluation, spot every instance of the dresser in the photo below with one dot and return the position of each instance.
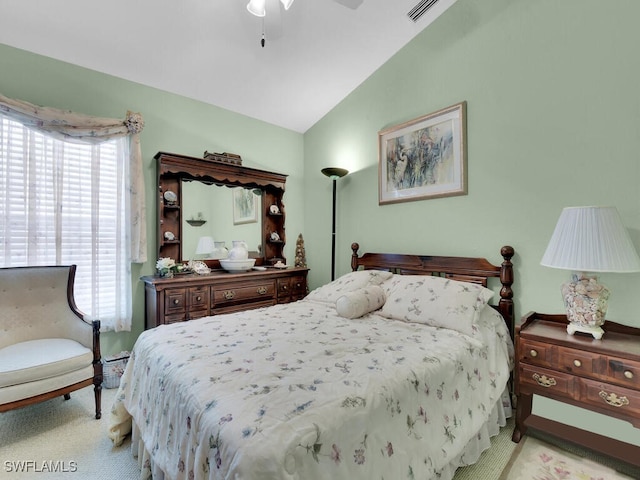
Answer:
(191, 296)
(598, 375)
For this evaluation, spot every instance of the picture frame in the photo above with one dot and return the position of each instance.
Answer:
(245, 206)
(424, 158)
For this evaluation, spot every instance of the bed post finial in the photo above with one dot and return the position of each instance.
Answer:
(354, 256)
(506, 293)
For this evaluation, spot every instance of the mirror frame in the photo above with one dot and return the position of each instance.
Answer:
(173, 168)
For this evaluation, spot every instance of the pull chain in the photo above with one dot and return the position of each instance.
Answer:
(262, 41)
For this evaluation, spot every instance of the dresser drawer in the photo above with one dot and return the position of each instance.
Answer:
(175, 301)
(242, 307)
(246, 292)
(193, 314)
(198, 298)
(622, 401)
(549, 382)
(299, 285)
(178, 317)
(535, 353)
(291, 289)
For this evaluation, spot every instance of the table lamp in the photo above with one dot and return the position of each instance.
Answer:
(205, 246)
(589, 240)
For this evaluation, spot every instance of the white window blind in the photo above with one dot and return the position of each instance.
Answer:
(65, 203)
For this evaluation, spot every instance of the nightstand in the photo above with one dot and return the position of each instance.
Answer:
(598, 375)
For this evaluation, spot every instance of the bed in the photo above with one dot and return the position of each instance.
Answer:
(398, 369)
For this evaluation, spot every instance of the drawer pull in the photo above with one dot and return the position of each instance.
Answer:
(544, 381)
(261, 290)
(198, 298)
(614, 400)
(176, 302)
(229, 294)
(577, 363)
(533, 353)
(628, 374)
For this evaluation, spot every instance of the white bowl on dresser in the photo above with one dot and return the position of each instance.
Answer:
(237, 265)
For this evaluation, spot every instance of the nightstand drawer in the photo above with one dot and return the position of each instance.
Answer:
(549, 382)
(579, 362)
(535, 353)
(616, 399)
(623, 372)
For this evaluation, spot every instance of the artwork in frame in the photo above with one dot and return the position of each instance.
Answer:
(245, 206)
(424, 158)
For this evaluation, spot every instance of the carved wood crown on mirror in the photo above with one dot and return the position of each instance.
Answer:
(174, 169)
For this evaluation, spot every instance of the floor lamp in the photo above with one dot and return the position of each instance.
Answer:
(334, 174)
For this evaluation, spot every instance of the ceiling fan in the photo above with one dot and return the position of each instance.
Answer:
(259, 9)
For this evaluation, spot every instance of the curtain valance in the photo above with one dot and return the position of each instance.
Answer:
(69, 126)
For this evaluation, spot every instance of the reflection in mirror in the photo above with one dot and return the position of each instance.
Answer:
(231, 213)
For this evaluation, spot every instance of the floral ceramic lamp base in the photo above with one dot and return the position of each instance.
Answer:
(586, 303)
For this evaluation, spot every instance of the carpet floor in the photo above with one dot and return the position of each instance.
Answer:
(60, 439)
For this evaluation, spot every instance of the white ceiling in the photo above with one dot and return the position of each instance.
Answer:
(316, 52)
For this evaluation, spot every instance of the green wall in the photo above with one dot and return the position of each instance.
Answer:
(172, 124)
(553, 118)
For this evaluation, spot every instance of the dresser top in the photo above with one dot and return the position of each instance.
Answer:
(218, 276)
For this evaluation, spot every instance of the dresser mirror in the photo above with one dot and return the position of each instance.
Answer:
(230, 213)
(234, 201)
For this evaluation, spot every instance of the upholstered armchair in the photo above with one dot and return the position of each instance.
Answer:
(47, 349)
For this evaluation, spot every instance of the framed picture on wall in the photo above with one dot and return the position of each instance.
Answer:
(424, 158)
(245, 206)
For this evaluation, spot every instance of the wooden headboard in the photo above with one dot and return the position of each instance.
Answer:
(466, 269)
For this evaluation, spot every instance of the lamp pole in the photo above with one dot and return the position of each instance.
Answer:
(334, 174)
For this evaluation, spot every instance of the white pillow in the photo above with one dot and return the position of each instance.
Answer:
(435, 301)
(359, 302)
(348, 282)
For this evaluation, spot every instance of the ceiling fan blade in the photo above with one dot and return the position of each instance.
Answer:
(353, 4)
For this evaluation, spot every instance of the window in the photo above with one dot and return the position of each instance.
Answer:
(67, 203)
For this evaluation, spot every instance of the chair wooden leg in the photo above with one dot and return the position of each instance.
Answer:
(67, 396)
(97, 390)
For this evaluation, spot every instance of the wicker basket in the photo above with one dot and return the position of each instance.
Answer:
(112, 369)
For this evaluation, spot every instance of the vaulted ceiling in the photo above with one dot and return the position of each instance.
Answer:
(315, 53)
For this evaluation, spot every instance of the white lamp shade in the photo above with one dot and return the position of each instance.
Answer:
(257, 7)
(205, 246)
(591, 239)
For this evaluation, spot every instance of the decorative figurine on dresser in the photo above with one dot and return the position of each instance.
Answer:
(188, 295)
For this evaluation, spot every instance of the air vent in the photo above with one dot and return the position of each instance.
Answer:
(420, 9)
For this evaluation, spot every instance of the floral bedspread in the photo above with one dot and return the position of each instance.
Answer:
(296, 392)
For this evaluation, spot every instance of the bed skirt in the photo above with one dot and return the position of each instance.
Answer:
(501, 411)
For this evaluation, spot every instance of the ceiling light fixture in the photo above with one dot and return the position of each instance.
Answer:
(259, 9)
